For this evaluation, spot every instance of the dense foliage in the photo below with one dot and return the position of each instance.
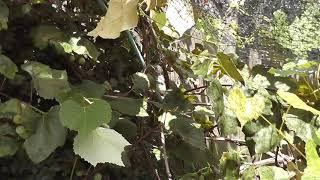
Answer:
(159, 89)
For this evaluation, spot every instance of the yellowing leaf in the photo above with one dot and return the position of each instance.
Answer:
(121, 15)
(228, 66)
(296, 102)
(246, 109)
(313, 161)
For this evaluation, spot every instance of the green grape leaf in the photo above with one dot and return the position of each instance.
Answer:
(228, 123)
(7, 129)
(266, 139)
(10, 108)
(140, 82)
(176, 99)
(49, 135)
(162, 23)
(89, 89)
(249, 173)
(272, 172)
(203, 65)
(229, 67)
(130, 106)
(296, 121)
(246, 109)
(189, 130)
(189, 154)
(14, 107)
(80, 46)
(4, 14)
(215, 94)
(7, 67)
(43, 35)
(8, 146)
(230, 165)
(312, 170)
(127, 128)
(48, 82)
(296, 102)
(100, 146)
(84, 118)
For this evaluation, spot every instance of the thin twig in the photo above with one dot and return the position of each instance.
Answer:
(201, 104)
(284, 137)
(31, 92)
(3, 82)
(147, 134)
(73, 168)
(154, 170)
(239, 142)
(165, 157)
(196, 88)
(276, 156)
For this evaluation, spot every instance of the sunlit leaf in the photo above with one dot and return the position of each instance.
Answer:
(48, 82)
(215, 94)
(203, 66)
(296, 121)
(80, 46)
(313, 162)
(201, 115)
(48, 136)
(100, 146)
(266, 139)
(228, 123)
(166, 118)
(121, 16)
(230, 165)
(162, 23)
(296, 102)
(246, 109)
(7, 67)
(249, 173)
(229, 67)
(272, 172)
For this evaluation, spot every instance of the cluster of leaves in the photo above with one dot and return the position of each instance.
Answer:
(66, 95)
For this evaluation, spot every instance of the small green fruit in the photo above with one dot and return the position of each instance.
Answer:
(72, 58)
(20, 130)
(17, 119)
(81, 60)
